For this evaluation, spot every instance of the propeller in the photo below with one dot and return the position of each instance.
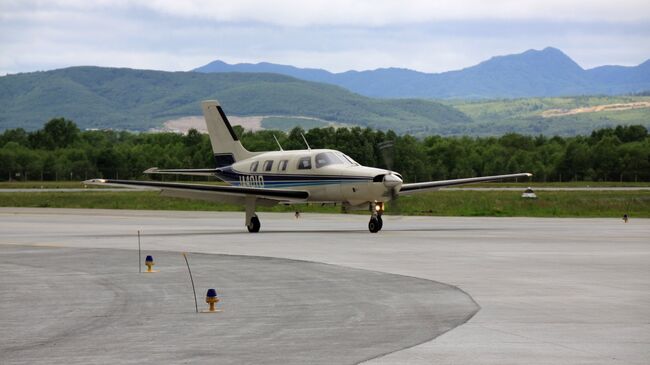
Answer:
(391, 181)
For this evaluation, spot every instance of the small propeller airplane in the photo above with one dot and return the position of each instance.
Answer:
(288, 177)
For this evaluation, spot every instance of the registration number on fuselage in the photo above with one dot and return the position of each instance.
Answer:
(252, 181)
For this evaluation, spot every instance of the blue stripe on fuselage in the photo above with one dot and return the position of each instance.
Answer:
(275, 180)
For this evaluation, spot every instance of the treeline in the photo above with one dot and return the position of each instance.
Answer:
(60, 151)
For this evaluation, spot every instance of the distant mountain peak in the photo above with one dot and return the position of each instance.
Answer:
(550, 49)
(547, 56)
(550, 52)
(534, 72)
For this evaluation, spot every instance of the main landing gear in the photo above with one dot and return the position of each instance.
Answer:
(254, 225)
(252, 222)
(376, 223)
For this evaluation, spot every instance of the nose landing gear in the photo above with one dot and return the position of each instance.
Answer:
(376, 223)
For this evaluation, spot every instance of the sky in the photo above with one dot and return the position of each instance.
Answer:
(428, 36)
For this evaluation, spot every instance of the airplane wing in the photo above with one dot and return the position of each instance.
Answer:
(408, 189)
(189, 172)
(215, 193)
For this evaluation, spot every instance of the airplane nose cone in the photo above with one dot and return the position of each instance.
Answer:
(391, 181)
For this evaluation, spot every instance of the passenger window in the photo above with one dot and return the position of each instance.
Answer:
(268, 165)
(254, 166)
(282, 166)
(304, 163)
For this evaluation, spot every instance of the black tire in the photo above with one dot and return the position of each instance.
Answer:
(373, 225)
(254, 225)
(381, 223)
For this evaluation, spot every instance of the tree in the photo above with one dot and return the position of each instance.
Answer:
(605, 157)
(57, 133)
(17, 135)
(576, 160)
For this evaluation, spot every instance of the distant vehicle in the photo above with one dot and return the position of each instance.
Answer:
(529, 193)
(289, 177)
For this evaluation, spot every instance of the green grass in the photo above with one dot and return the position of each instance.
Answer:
(568, 184)
(510, 204)
(441, 203)
(129, 200)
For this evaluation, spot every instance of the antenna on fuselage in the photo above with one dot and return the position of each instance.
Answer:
(278, 142)
(305, 139)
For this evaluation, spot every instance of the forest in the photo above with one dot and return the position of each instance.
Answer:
(61, 151)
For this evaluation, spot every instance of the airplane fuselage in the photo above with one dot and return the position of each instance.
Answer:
(328, 175)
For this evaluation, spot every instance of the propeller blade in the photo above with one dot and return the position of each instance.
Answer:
(387, 149)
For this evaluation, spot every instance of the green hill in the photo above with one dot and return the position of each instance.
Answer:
(118, 98)
(565, 116)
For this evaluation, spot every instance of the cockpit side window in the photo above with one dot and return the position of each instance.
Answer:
(327, 158)
(304, 163)
(268, 165)
(254, 166)
(282, 166)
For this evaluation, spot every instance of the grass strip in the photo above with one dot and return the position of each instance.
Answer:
(440, 203)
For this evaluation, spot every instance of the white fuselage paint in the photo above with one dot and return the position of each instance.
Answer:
(341, 180)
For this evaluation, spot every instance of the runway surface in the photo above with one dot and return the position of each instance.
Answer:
(551, 291)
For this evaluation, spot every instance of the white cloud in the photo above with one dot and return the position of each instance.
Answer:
(392, 12)
(430, 36)
(359, 12)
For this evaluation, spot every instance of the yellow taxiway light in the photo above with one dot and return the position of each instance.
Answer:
(149, 262)
(212, 300)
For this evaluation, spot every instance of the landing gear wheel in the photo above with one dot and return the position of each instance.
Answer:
(381, 222)
(254, 225)
(374, 225)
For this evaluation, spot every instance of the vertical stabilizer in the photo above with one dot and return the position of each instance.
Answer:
(225, 144)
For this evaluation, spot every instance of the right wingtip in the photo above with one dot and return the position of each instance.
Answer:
(94, 181)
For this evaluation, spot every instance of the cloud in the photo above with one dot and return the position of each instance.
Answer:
(430, 36)
(291, 13)
(391, 12)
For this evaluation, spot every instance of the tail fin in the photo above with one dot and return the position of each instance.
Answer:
(225, 144)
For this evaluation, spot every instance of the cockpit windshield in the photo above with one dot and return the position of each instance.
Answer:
(347, 159)
(327, 158)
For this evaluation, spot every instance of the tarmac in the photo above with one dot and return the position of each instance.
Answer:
(321, 288)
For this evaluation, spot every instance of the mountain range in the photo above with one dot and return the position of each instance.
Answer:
(534, 73)
(120, 98)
